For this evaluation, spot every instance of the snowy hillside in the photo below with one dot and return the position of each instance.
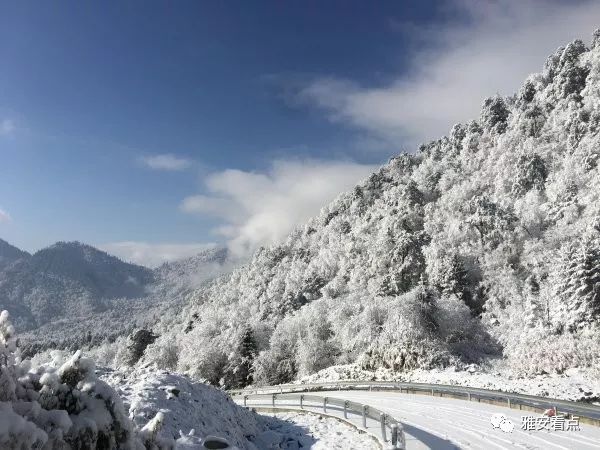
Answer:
(484, 244)
(187, 405)
(192, 272)
(63, 296)
(9, 254)
(66, 279)
(62, 403)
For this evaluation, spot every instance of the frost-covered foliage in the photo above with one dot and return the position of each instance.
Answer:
(484, 242)
(63, 405)
(57, 406)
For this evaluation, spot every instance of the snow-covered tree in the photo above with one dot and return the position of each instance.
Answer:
(56, 406)
(491, 224)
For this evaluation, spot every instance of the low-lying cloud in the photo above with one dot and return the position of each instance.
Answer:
(7, 126)
(165, 161)
(262, 208)
(153, 255)
(493, 48)
(4, 216)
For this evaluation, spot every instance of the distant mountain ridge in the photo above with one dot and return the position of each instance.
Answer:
(72, 279)
(103, 274)
(64, 279)
(9, 254)
(216, 255)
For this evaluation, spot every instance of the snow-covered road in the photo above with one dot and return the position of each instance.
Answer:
(445, 423)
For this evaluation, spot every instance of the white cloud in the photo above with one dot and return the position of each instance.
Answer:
(165, 161)
(4, 216)
(152, 255)
(7, 126)
(493, 48)
(262, 208)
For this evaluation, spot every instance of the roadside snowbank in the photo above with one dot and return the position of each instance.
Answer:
(186, 405)
(574, 384)
(321, 433)
(183, 405)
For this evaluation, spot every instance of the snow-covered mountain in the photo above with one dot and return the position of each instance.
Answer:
(9, 254)
(64, 295)
(67, 279)
(483, 244)
(194, 271)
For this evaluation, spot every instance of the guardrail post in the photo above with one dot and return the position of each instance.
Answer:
(469, 396)
(301, 401)
(382, 419)
(508, 402)
(325, 404)
(365, 408)
(346, 409)
(245, 399)
(432, 391)
(394, 435)
(273, 399)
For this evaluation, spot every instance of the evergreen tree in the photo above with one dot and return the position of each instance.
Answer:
(579, 284)
(531, 174)
(248, 350)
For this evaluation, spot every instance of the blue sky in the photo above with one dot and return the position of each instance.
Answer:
(151, 128)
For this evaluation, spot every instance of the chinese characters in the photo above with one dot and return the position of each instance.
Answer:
(552, 423)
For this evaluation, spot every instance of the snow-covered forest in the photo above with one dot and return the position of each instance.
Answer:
(60, 405)
(481, 248)
(482, 245)
(64, 402)
(62, 296)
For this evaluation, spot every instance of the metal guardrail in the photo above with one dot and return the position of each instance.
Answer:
(583, 411)
(303, 402)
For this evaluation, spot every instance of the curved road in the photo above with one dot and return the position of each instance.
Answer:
(446, 423)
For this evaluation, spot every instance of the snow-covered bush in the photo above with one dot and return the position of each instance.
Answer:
(55, 406)
(165, 351)
(413, 330)
(278, 363)
(63, 404)
(408, 338)
(540, 352)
